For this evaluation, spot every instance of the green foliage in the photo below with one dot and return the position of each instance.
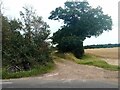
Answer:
(12, 41)
(80, 20)
(71, 44)
(28, 49)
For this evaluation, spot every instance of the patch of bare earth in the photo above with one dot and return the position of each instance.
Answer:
(69, 70)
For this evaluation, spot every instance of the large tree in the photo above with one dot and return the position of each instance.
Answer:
(80, 21)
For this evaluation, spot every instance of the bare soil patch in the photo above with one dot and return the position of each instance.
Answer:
(69, 70)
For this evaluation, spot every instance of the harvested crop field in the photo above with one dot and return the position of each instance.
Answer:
(110, 55)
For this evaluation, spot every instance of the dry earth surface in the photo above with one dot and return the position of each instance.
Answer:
(69, 70)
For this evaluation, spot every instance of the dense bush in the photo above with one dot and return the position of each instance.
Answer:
(27, 50)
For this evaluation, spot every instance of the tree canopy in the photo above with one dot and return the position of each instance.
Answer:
(80, 20)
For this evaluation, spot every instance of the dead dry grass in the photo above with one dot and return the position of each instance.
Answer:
(111, 53)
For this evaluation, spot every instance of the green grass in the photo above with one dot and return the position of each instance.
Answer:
(33, 72)
(89, 60)
(95, 61)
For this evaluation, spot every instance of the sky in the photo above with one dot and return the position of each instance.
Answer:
(44, 7)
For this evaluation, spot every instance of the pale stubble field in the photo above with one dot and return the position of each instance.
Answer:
(110, 55)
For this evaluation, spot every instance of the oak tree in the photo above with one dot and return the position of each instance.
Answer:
(81, 21)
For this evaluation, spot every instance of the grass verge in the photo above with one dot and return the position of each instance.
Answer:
(33, 72)
(88, 59)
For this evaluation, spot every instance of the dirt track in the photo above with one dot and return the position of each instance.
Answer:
(68, 70)
(68, 74)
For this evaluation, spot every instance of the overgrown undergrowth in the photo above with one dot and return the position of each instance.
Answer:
(33, 72)
(88, 59)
